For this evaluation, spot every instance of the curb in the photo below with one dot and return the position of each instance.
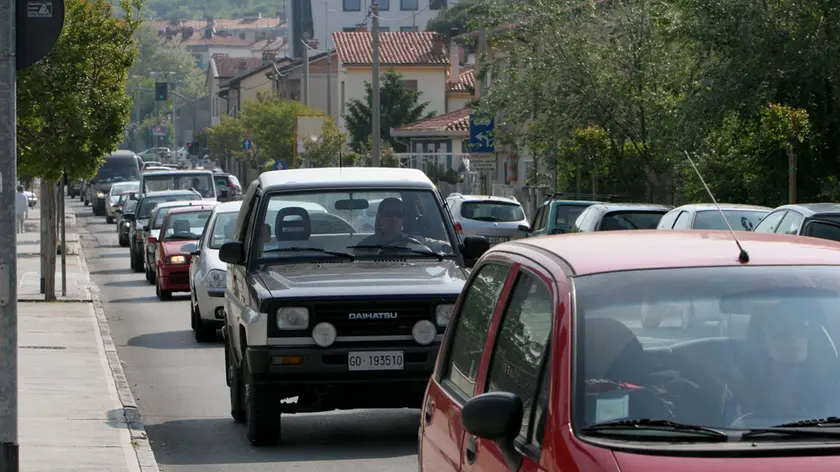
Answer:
(133, 420)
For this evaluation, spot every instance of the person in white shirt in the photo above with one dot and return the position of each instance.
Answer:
(21, 209)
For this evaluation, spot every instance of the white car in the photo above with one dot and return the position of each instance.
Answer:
(208, 272)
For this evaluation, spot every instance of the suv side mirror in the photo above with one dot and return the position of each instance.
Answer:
(496, 416)
(232, 253)
(146, 228)
(129, 217)
(475, 246)
(524, 228)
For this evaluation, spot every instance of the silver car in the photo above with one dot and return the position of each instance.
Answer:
(495, 218)
(111, 202)
(208, 273)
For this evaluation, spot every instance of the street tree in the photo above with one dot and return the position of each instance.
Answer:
(72, 105)
(399, 106)
(226, 137)
(270, 122)
(326, 149)
(787, 127)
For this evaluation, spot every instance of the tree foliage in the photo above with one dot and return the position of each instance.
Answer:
(72, 106)
(325, 151)
(398, 104)
(663, 77)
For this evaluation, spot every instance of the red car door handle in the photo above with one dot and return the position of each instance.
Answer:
(471, 447)
(430, 408)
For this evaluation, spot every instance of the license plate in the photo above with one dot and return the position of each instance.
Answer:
(375, 360)
(497, 239)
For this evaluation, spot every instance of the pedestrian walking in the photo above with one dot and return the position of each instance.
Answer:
(21, 209)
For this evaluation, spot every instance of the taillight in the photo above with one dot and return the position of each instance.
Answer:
(458, 228)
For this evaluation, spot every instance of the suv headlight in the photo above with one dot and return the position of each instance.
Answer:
(177, 260)
(216, 279)
(292, 318)
(100, 194)
(442, 314)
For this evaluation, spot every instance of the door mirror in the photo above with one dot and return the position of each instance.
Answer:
(128, 217)
(558, 231)
(146, 228)
(496, 416)
(524, 228)
(232, 253)
(189, 248)
(223, 195)
(822, 229)
(475, 246)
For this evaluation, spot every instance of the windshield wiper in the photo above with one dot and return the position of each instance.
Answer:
(647, 424)
(421, 252)
(311, 249)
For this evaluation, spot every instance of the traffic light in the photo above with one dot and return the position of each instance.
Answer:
(189, 148)
(161, 91)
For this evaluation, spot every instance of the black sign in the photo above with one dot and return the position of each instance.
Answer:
(38, 26)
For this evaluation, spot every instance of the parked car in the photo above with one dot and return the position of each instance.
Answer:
(124, 221)
(619, 216)
(75, 188)
(818, 220)
(527, 381)
(707, 216)
(180, 226)
(208, 272)
(351, 318)
(146, 203)
(32, 198)
(152, 232)
(496, 218)
(112, 202)
(120, 166)
(558, 213)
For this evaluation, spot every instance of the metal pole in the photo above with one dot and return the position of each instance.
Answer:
(375, 108)
(305, 72)
(63, 237)
(8, 243)
(329, 57)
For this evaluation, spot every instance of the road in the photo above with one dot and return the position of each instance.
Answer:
(180, 388)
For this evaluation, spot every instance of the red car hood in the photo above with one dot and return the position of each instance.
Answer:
(628, 462)
(173, 248)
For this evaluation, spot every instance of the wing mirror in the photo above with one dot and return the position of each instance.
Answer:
(190, 248)
(524, 228)
(232, 253)
(497, 417)
(473, 248)
(223, 195)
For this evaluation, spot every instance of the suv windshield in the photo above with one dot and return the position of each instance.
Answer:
(222, 229)
(741, 220)
(149, 203)
(492, 210)
(186, 225)
(201, 182)
(407, 223)
(721, 347)
(623, 220)
(118, 169)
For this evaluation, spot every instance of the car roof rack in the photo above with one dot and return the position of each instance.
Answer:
(582, 196)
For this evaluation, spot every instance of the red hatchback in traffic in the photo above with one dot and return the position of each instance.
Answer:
(180, 226)
(545, 365)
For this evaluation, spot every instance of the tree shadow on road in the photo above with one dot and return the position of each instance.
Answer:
(333, 436)
(170, 340)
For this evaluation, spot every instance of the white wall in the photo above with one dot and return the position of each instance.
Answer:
(328, 16)
(430, 82)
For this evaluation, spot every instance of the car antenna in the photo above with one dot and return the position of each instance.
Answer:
(743, 257)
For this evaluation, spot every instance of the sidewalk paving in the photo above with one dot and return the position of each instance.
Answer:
(76, 412)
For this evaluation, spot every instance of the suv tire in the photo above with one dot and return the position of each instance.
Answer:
(262, 409)
(237, 394)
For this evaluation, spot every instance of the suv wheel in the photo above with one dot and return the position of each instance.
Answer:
(237, 390)
(262, 409)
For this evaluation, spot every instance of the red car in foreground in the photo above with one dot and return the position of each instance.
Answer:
(180, 226)
(545, 364)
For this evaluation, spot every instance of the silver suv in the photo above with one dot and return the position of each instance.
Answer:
(495, 218)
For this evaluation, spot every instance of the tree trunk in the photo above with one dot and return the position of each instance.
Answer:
(791, 176)
(48, 238)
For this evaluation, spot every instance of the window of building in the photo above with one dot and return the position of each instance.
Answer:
(349, 29)
(408, 29)
(384, 5)
(384, 29)
(410, 84)
(352, 5)
(437, 4)
(408, 5)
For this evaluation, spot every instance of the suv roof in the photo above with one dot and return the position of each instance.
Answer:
(811, 209)
(375, 177)
(610, 251)
(634, 206)
(169, 193)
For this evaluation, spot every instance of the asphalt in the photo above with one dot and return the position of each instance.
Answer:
(179, 386)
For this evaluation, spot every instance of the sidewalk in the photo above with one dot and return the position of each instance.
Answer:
(76, 412)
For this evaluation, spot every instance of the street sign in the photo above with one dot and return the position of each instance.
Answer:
(482, 133)
(483, 164)
(38, 24)
(246, 144)
(279, 165)
(160, 131)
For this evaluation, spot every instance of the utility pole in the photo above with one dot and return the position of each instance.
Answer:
(8, 242)
(329, 57)
(375, 108)
(305, 72)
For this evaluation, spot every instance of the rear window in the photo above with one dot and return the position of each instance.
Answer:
(623, 220)
(740, 220)
(161, 214)
(148, 204)
(118, 169)
(566, 215)
(492, 211)
(223, 229)
(186, 226)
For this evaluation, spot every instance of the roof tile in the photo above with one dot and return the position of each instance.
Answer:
(221, 23)
(458, 121)
(231, 66)
(464, 84)
(398, 48)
